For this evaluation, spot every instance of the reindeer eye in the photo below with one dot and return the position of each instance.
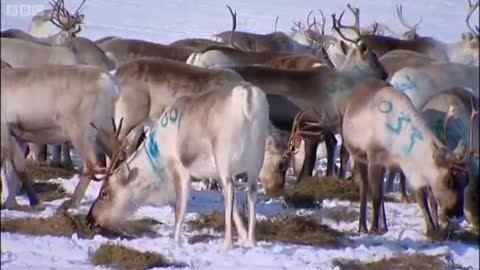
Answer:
(104, 194)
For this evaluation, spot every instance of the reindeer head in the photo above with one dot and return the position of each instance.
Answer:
(63, 19)
(472, 38)
(359, 56)
(114, 202)
(411, 33)
(455, 173)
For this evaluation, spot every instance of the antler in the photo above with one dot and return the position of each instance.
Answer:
(115, 144)
(471, 9)
(404, 22)
(455, 161)
(275, 25)
(71, 20)
(234, 24)
(337, 24)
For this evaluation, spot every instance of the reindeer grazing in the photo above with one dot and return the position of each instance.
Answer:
(397, 137)
(466, 51)
(451, 127)
(67, 99)
(191, 140)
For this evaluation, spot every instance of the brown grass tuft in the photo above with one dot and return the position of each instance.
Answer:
(122, 257)
(290, 229)
(67, 225)
(315, 189)
(403, 262)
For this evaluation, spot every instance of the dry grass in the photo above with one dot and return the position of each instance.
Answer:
(339, 214)
(404, 262)
(45, 172)
(67, 225)
(49, 191)
(311, 190)
(122, 257)
(293, 230)
(467, 237)
(200, 238)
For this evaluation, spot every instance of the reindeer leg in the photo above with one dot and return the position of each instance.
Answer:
(422, 203)
(310, 158)
(403, 188)
(344, 156)
(375, 177)
(330, 143)
(66, 158)
(390, 178)
(252, 201)
(19, 166)
(182, 180)
(37, 152)
(361, 174)
(56, 155)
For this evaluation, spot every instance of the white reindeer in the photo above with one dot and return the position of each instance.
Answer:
(217, 134)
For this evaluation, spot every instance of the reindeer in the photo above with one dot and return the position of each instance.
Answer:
(298, 62)
(148, 86)
(451, 127)
(5, 65)
(67, 99)
(383, 44)
(320, 91)
(41, 25)
(466, 50)
(421, 83)
(121, 51)
(396, 136)
(172, 154)
(398, 59)
(196, 44)
(13, 164)
(224, 57)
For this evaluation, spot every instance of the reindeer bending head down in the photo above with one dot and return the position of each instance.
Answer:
(219, 134)
(397, 136)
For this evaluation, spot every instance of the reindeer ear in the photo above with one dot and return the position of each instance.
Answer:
(362, 48)
(344, 47)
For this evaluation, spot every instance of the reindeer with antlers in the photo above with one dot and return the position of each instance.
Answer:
(191, 140)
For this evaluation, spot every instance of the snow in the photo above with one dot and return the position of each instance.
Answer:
(167, 21)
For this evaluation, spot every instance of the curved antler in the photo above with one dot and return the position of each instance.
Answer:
(471, 9)
(234, 25)
(337, 24)
(404, 22)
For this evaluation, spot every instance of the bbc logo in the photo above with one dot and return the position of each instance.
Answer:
(13, 10)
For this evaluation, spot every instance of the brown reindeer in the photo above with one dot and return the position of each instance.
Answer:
(121, 51)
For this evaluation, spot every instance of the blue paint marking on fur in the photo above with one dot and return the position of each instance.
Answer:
(403, 86)
(385, 106)
(416, 135)
(154, 156)
(400, 120)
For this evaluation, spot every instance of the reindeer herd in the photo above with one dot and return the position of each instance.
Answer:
(151, 117)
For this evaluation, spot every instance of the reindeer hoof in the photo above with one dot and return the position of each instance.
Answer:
(226, 246)
(362, 230)
(249, 243)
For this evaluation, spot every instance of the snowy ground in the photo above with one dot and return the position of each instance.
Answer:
(166, 21)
